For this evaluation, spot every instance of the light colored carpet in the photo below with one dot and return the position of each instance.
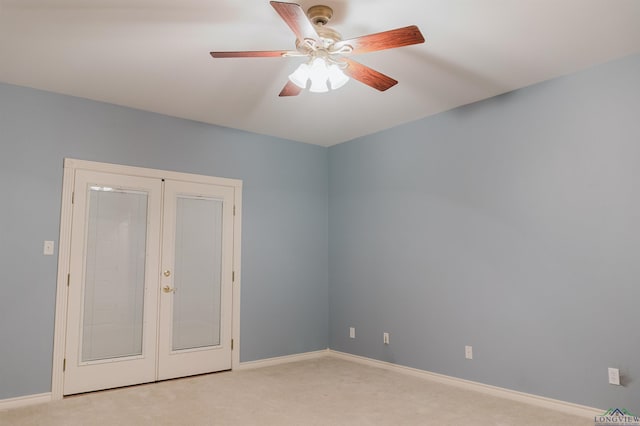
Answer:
(324, 391)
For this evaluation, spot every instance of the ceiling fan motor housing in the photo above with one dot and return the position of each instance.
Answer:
(320, 15)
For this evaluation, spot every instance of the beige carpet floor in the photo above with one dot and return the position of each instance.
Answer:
(324, 391)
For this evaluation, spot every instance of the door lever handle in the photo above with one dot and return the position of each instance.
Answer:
(168, 289)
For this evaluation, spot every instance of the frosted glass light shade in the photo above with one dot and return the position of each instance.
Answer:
(337, 78)
(321, 75)
(300, 76)
(319, 86)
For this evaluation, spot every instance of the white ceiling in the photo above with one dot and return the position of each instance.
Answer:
(153, 55)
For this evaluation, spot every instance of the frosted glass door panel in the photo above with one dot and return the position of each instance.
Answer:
(197, 273)
(113, 303)
(112, 311)
(197, 261)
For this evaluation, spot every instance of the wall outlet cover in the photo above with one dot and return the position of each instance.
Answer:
(468, 352)
(48, 248)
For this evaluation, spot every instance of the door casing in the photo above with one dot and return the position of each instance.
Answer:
(64, 251)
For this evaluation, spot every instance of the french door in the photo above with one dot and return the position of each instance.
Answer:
(195, 306)
(150, 288)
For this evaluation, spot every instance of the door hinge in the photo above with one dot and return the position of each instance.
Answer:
(231, 344)
(233, 276)
(64, 365)
(73, 197)
(68, 279)
(234, 209)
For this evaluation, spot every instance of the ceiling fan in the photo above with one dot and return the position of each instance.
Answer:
(329, 63)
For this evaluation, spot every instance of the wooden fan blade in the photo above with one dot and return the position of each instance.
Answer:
(296, 19)
(251, 54)
(384, 40)
(368, 76)
(290, 89)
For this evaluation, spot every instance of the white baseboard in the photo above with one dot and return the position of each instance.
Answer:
(22, 401)
(539, 401)
(282, 360)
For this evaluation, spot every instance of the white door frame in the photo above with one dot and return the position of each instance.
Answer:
(64, 251)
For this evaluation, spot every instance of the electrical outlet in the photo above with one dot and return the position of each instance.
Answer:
(614, 376)
(48, 248)
(352, 332)
(385, 338)
(468, 352)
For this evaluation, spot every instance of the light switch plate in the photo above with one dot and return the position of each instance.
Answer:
(614, 376)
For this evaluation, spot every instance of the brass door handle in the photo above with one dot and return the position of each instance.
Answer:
(168, 289)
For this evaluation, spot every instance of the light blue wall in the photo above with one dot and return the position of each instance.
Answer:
(512, 225)
(284, 249)
(509, 225)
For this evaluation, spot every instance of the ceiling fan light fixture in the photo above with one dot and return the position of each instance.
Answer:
(321, 74)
